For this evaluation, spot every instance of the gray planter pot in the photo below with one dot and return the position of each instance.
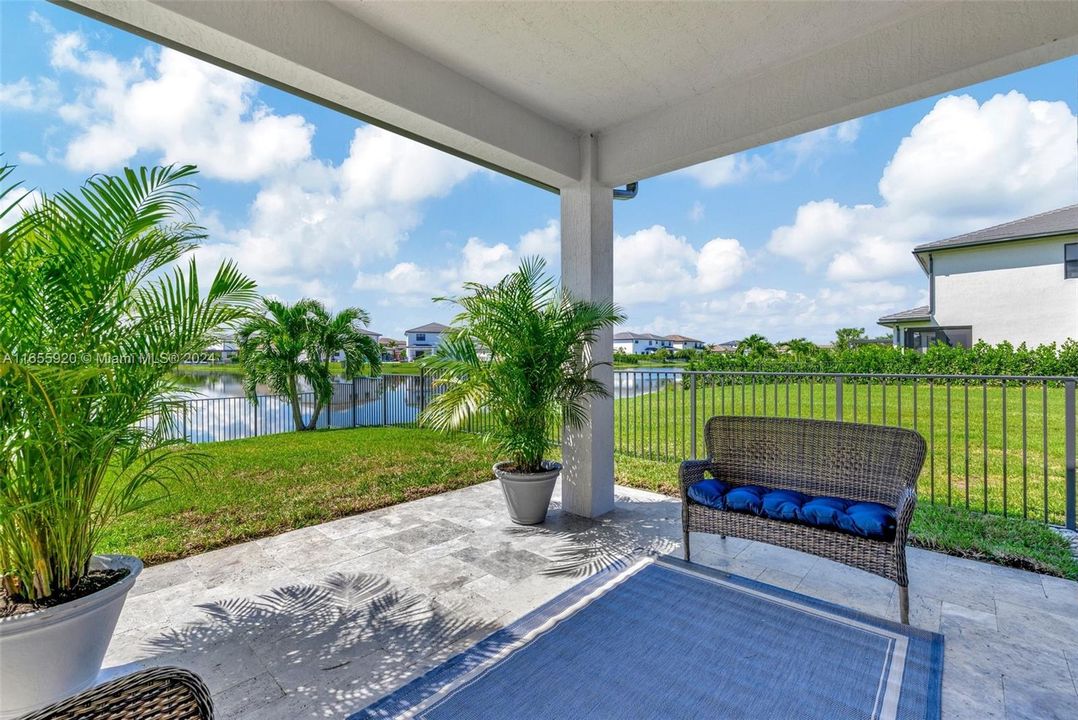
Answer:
(528, 494)
(51, 654)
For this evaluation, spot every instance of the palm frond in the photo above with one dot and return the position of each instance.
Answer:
(95, 278)
(516, 358)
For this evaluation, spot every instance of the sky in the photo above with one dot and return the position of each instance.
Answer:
(793, 239)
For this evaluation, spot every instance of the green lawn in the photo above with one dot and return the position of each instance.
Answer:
(1015, 470)
(268, 485)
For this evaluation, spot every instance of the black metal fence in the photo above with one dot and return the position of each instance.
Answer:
(997, 444)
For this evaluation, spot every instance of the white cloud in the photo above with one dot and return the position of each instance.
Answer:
(990, 160)
(29, 158)
(780, 313)
(652, 265)
(781, 160)
(849, 131)
(315, 219)
(478, 261)
(404, 278)
(544, 242)
(177, 107)
(725, 170)
(817, 142)
(385, 168)
(34, 96)
(482, 263)
(696, 212)
(963, 166)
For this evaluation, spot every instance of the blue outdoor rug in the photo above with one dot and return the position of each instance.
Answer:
(666, 639)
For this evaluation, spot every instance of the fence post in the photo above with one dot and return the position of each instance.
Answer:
(353, 402)
(422, 390)
(254, 409)
(385, 411)
(1071, 490)
(692, 412)
(838, 398)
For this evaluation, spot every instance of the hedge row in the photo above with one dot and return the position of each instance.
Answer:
(940, 359)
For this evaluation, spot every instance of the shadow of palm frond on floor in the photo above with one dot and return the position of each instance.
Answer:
(634, 529)
(329, 647)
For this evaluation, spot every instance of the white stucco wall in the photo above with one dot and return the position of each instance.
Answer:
(416, 347)
(1012, 291)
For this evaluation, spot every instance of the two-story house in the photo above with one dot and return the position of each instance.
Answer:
(640, 343)
(680, 342)
(423, 340)
(1016, 282)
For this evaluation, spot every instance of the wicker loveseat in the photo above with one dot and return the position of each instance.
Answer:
(163, 693)
(843, 491)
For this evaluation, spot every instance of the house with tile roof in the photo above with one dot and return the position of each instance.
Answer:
(1016, 282)
(680, 342)
(640, 343)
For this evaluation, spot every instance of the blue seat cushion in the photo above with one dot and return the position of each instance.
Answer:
(746, 499)
(863, 519)
(709, 492)
(784, 505)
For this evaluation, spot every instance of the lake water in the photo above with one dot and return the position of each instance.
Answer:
(218, 410)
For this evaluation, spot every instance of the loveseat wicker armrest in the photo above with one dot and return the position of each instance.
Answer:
(907, 501)
(691, 471)
(163, 693)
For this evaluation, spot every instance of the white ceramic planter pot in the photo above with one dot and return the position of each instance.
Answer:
(50, 654)
(528, 494)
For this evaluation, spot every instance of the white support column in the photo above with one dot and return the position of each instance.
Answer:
(587, 271)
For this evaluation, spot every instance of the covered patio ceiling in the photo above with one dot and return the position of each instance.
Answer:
(512, 85)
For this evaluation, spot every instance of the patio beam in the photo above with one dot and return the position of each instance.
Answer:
(587, 270)
(950, 45)
(319, 52)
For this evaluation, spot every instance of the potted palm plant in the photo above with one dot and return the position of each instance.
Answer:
(515, 364)
(97, 313)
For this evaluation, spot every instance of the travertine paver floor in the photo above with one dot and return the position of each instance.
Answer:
(319, 622)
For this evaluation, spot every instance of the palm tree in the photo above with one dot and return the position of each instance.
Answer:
(801, 348)
(756, 345)
(393, 348)
(98, 312)
(517, 354)
(286, 344)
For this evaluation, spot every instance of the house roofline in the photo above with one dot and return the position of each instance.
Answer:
(929, 248)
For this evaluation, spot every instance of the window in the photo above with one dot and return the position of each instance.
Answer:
(923, 338)
(420, 337)
(1070, 260)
